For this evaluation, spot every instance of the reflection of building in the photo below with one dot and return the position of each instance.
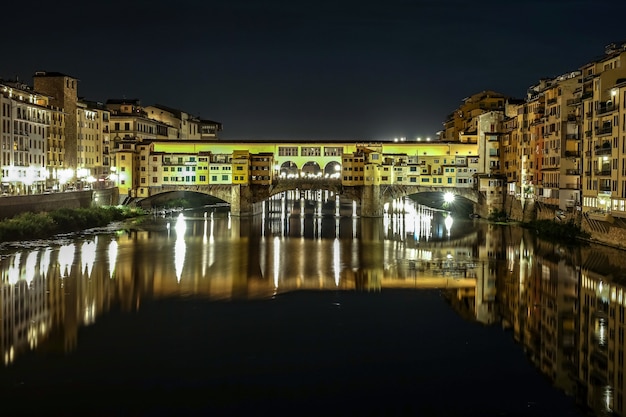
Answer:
(601, 346)
(24, 313)
(558, 282)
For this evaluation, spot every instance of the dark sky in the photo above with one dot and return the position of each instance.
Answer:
(309, 70)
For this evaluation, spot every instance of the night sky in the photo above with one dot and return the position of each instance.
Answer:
(308, 70)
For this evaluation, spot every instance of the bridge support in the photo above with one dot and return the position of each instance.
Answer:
(371, 203)
(241, 201)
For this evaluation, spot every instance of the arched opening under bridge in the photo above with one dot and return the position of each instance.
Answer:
(289, 170)
(311, 170)
(332, 170)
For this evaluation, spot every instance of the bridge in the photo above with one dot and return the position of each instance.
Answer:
(371, 199)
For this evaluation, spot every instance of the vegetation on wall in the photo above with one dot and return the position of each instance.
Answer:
(30, 225)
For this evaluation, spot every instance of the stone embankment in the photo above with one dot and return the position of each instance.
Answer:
(13, 205)
(611, 233)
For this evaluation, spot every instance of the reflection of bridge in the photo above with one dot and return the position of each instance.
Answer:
(370, 198)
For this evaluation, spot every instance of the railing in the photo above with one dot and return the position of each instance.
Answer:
(603, 151)
(572, 154)
(572, 172)
(604, 130)
(572, 186)
(588, 133)
(606, 109)
(552, 100)
(603, 172)
(572, 136)
(574, 101)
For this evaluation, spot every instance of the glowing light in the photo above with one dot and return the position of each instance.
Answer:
(448, 197)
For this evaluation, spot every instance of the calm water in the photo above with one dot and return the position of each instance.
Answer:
(309, 310)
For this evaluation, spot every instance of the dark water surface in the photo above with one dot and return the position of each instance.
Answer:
(304, 312)
(395, 352)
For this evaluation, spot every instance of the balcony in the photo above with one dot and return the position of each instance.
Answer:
(604, 150)
(574, 101)
(572, 172)
(552, 100)
(571, 186)
(572, 136)
(588, 94)
(603, 173)
(606, 109)
(604, 130)
(588, 133)
(589, 114)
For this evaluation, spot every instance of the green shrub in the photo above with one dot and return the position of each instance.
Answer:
(40, 225)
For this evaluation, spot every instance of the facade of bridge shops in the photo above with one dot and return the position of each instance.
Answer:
(237, 171)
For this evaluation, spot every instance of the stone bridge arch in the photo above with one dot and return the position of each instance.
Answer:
(222, 192)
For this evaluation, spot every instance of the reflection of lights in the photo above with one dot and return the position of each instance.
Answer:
(14, 269)
(448, 222)
(448, 197)
(181, 226)
(337, 261)
(112, 257)
(66, 258)
(31, 262)
(608, 397)
(44, 264)
(89, 315)
(180, 247)
(276, 261)
(88, 256)
(9, 356)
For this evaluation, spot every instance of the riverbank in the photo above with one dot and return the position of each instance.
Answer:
(42, 225)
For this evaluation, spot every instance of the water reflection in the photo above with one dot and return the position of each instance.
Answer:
(564, 305)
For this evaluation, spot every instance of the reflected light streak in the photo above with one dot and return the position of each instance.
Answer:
(31, 263)
(14, 269)
(180, 247)
(66, 258)
(44, 265)
(276, 265)
(337, 261)
(112, 255)
(88, 256)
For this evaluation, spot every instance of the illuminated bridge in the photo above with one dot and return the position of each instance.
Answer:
(245, 174)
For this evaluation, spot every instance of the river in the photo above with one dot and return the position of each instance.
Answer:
(312, 310)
